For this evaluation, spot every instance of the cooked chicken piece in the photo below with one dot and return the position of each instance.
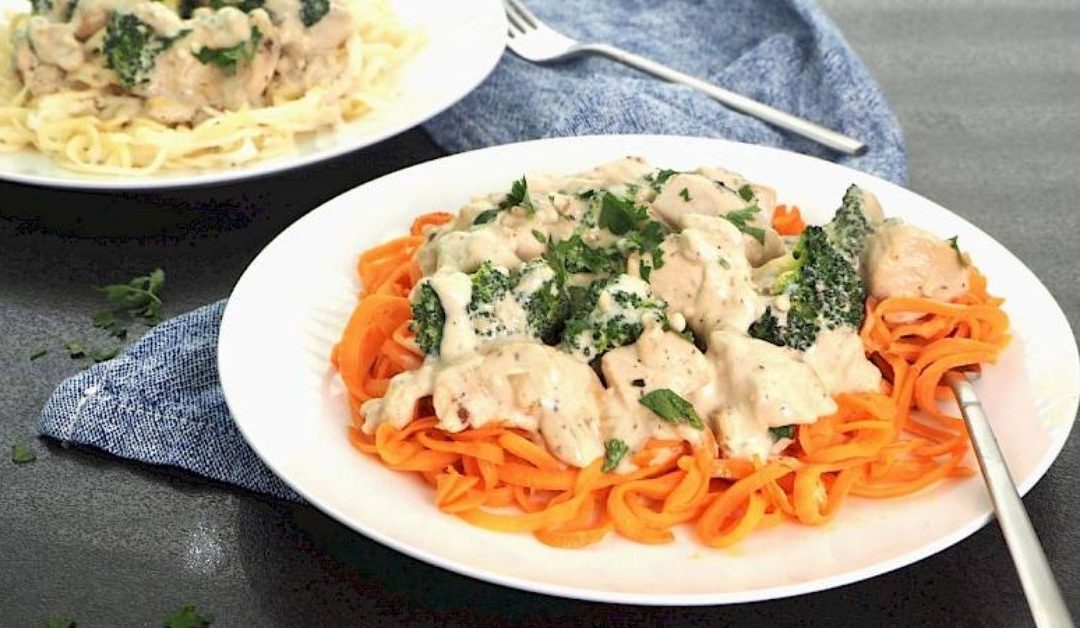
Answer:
(906, 261)
(759, 386)
(526, 385)
(706, 277)
(55, 43)
(658, 360)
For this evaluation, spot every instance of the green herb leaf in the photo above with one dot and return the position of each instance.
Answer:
(741, 219)
(539, 235)
(21, 454)
(685, 194)
(60, 622)
(188, 617)
(619, 215)
(37, 354)
(671, 407)
(960, 255)
(138, 297)
(614, 451)
(746, 193)
(486, 216)
(104, 355)
(519, 197)
(74, 349)
(724, 263)
(660, 178)
(787, 431)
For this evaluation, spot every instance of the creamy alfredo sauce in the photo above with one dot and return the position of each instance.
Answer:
(704, 284)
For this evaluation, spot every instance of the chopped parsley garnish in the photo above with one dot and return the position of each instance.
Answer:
(741, 219)
(724, 263)
(74, 349)
(188, 617)
(518, 197)
(614, 451)
(574, 256)
(685, 194)
(486, 216)
(960, 255)
(671, 407)
(60, 622)
(619, 215)
(38, 354)
(660, 178)
(746, 193)
(539, 235)
(21, 454)
(777, 433)
(107, 321)
(138, 297)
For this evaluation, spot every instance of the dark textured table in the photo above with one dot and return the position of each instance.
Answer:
(987, 94)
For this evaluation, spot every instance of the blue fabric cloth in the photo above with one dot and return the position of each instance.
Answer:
(785, 53)
(161, 401)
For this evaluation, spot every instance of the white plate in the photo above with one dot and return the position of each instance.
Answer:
(291, 304)
(464, 41)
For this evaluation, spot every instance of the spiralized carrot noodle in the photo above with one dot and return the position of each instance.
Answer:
(876, 445)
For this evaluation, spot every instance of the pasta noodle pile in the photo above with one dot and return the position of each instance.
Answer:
(874, 446)
(67, 126)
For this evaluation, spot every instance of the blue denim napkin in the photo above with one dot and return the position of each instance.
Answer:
(160, 401)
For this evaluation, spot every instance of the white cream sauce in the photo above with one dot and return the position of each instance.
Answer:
(740, 386)
(706, 277)
(287, 60)
(906, 261)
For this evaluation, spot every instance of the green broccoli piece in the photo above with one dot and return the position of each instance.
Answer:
(536, 288)
(428, 319)
(228, 58)
(489, 285)
(611, 313)
(542, 294)
(824, 289)
(311, 11)
(850, 227)
(131, 47)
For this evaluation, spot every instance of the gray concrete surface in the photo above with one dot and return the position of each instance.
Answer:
(988, 95)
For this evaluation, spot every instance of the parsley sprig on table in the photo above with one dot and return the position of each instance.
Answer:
(134, 301)
(188, 617)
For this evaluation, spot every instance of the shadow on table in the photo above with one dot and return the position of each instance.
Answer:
(280, 198)
(321, 569)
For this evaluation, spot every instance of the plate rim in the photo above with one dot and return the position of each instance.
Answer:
(279, 164)
(625, 597)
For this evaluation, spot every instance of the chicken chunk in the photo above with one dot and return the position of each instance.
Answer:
(906, 261)
(706, 277)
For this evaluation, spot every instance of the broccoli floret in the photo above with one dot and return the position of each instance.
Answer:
(228, 58)
(131, 47)
(489, 285)
(428, 319)
(544, 298)
(850, 227)
(611, 313)
(824, 289)
(311, 11)
(531, 302)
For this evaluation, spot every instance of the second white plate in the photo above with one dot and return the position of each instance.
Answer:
(464, 40)
(291, 304)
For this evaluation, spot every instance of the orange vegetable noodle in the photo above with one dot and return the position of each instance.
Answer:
(876, 445)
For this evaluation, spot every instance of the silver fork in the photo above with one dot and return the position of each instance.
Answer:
(1048, 607)
(535, 41)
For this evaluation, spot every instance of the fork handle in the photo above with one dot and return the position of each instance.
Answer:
(1043, 595)
(738, 102)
